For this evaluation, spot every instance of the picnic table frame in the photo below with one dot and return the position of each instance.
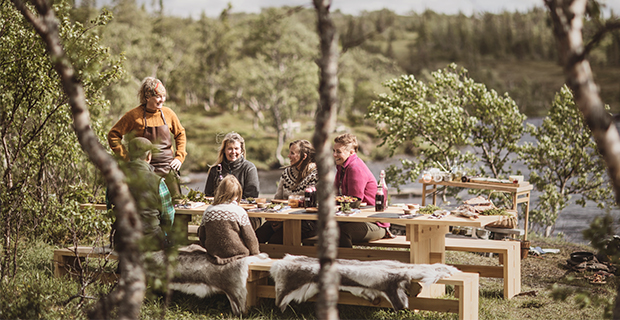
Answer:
(520, 193)
(426, 235)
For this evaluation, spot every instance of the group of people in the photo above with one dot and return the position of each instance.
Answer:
(226, 231)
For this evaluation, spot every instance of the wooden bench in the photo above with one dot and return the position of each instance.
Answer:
(68, 259)
(465, 290)
(509, 257)
(465, 285)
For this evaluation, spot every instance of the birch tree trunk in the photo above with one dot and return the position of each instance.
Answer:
(567, 17)
(128, 295)
(329, 278)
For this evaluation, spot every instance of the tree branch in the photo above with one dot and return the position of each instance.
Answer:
(130, 291)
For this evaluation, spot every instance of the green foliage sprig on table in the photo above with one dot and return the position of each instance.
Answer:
(441, 116)
(429, 209)
(564, 162)
(196, 196)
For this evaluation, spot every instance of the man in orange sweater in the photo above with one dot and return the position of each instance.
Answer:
(157, 123)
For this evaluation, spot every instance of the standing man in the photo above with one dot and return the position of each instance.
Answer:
(160, 125)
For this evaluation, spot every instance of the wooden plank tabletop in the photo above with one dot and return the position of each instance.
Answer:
(365, 215)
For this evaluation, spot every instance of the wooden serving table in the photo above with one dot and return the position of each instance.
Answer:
(520, 193)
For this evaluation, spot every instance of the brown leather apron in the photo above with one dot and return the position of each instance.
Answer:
(160, 137)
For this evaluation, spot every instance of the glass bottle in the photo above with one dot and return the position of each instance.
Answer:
(379, 200)
(384, 189)
(308, 197)
(314, 199)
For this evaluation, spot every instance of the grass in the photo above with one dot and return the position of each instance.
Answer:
(35, 293)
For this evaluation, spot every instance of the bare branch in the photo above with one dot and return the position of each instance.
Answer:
(130, 293)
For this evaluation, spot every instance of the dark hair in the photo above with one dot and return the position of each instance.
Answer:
(306, 158)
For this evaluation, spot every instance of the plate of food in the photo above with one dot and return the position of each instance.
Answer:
(354, 202)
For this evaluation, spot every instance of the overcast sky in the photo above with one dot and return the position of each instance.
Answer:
(212, 8)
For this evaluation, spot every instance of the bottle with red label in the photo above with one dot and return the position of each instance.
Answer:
(384, 188)
(315, 201)
(379, 200)
(308, 197)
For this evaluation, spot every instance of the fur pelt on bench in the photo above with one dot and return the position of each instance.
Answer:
(296, 278)
(194, 274)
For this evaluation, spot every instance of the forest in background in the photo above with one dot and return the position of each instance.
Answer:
(46, 174)
(260, 67)
(255, 73)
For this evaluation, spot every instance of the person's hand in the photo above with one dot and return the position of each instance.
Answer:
(175, 164)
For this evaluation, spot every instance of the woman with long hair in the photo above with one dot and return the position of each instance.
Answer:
(225, 230)
(231, 160)
(299, 175)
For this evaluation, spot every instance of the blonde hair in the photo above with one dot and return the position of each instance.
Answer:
(348, 140)
(150, 87)
(228, 190)
(228, 138)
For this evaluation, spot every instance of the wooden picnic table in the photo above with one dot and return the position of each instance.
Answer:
(426, 235)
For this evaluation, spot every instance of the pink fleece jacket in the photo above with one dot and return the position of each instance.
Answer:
(357, 181)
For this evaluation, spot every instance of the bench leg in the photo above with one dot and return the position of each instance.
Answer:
(255, 279)
(62, 262)
(512, 272)
(468, 299)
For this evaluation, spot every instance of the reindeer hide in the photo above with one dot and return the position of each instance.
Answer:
(296, 279)
(194, 274)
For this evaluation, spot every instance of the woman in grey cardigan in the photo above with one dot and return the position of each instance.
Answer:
(231, 160)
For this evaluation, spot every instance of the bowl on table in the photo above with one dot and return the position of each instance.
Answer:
(354, 202)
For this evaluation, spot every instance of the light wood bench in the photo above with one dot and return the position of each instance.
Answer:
(509, 253)
(465, 285)
(465, 290)
(68, 259)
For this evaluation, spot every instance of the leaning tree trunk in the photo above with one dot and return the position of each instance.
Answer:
(329, 279)
(567, 17)
(129, 294)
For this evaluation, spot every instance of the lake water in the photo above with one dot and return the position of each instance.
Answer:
(571, 222)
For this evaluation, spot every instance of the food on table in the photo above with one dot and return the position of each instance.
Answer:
(341, 199)
(496, 212)
(429, 209)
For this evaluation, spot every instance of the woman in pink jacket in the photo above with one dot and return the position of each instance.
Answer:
(353, 178)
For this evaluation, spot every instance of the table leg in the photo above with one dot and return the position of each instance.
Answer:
(291, 231)
(428, 245)
(181, 221)
(527, 216)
